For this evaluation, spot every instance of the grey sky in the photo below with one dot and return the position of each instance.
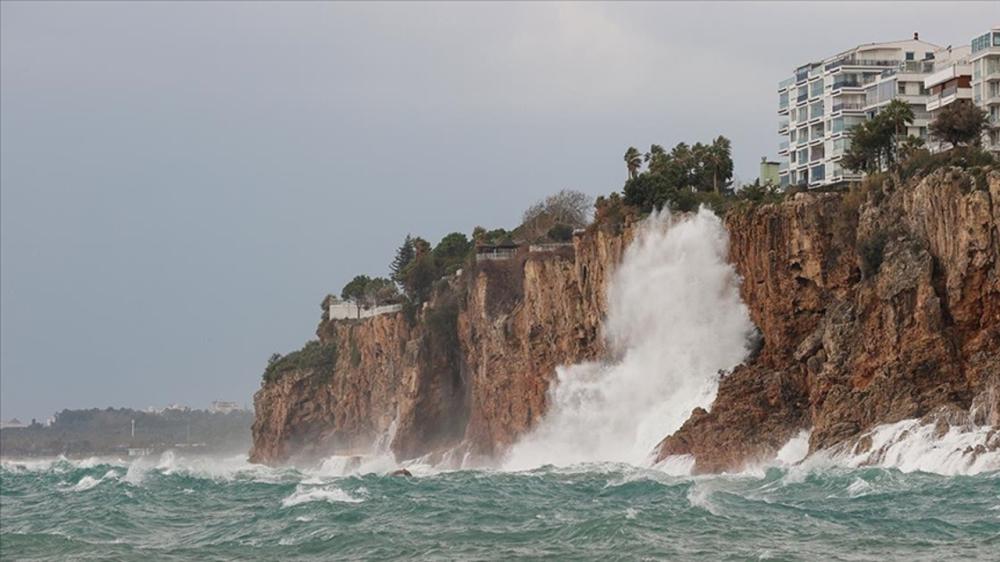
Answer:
(182, 183)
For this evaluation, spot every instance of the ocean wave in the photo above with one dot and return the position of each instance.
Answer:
(306, 494)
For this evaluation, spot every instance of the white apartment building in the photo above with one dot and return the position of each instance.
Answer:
(985, 61)
(820, 103)
(950, 83)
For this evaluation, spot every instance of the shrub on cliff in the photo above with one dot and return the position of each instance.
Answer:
(314, 355)
(922, 162)
(871, 250)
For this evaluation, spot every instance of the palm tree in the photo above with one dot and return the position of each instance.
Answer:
(633, 161)
(897, 115)
(719, 162)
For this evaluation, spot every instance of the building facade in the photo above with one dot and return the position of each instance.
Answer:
(985, 61)
(769, 171)
(820, 103)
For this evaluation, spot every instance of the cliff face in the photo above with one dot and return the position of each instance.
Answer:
(870, 314)
(873, 307)
(469, 375)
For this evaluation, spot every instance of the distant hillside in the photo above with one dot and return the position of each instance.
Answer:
(109, 431)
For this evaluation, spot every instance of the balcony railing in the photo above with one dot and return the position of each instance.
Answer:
(849, 83)
(851, 61)
(802, 97)
(918, 67)
(848, 107)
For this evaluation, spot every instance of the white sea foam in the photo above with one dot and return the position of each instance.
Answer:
(306, 494)
(795, 450)
(912, 445)
(89, 482)
(675, 319)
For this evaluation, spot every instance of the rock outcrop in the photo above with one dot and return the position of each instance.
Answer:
(871, 313)
(873, 306)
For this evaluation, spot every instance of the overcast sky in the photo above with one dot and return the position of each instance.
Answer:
(182, 183)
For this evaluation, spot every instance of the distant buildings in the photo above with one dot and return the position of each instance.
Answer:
(12, 423)
(224, 407)
(823, 100)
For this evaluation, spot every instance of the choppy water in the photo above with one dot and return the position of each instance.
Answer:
(202, 509)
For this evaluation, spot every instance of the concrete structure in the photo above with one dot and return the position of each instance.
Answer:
(345, 310)
(820, 103)
(549, 247)
(985, 60)
(770, 171)
(495, 251)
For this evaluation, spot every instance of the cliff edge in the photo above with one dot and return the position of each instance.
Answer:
(873, 306)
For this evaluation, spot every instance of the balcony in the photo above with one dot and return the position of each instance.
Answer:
(783, 147)
(802, 98)
(784, 84)
(848, 107)
(849, 83)
(851, 61)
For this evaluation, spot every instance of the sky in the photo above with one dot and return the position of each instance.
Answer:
(182, 183)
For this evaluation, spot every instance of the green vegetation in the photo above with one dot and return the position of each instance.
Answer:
(680, 179)
(451, 252)
(368, 292)
(878, 143)
(314, 355)
(960, 123)
(560, 233)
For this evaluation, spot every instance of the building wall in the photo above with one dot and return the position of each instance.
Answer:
(822, 100)
(348, 310)
(985, 61)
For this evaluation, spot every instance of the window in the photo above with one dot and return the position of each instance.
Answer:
(909, 55)
(902, 87)
(996, 39)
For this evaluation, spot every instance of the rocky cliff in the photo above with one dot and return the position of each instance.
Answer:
(467, 375)
(874, 306)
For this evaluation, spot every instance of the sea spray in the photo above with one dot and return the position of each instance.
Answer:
(675, 320)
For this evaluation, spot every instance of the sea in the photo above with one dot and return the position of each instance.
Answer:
(581, 486)
(175, 508)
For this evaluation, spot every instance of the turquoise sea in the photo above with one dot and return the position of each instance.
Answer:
(224, 509)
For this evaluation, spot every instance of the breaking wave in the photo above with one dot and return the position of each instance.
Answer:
(675, 320)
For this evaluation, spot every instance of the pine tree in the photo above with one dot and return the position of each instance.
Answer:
(404, 256)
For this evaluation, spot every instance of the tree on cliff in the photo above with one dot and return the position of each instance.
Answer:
(633, 161)
(718, 163)
(451, 252)
(877, 143)
(671, 177)
(960, 123)
(568, 208)
(404, 255)
(367, 292)
(354, 290)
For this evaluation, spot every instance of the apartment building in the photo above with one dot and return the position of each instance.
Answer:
(820, 103)
(985, 61)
